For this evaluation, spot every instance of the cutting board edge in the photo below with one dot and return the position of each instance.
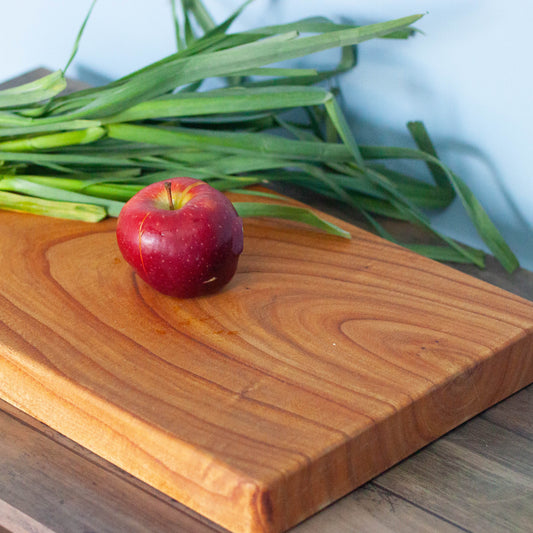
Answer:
(517, 353)
(252, 496)
(255, 500)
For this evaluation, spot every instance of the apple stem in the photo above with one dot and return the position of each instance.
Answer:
(168, 187)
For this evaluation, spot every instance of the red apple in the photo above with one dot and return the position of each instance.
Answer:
(182, 237)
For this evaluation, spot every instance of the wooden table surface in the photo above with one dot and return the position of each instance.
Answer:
(478, 477)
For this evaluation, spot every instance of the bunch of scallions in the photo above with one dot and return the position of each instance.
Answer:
(81, 155)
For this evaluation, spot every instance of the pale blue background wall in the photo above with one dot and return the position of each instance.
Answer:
(469, 78)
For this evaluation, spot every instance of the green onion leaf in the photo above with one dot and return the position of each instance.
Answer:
(33, 92)
(38, 206)
(288, 212)
(82, 154)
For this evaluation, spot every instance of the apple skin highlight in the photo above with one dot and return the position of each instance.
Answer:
(185, 248)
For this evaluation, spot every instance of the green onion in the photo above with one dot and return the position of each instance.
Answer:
(83, 154)
(288, 212)
(33, 92)
(38, 206)
(53, 140)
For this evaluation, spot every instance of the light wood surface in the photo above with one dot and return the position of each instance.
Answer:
(44, 467)
(322, 364)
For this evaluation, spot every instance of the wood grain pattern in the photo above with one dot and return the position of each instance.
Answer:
(375, 510)
(64, 487)
(516, 415)
(48, 489)
(482, 475)
(321, 365)
(18, 522)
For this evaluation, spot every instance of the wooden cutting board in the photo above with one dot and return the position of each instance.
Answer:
(323, 363)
